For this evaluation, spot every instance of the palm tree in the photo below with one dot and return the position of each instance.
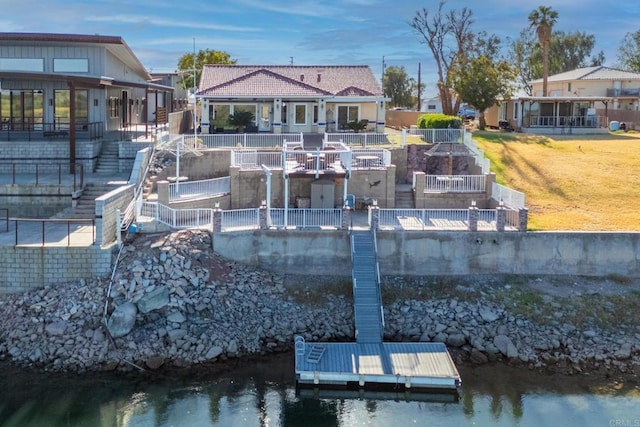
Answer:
(543, 19)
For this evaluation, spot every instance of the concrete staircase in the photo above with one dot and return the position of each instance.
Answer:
(108, 161)
(404, 197)
(86, 205)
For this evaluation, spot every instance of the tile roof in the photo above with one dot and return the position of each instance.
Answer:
(592, 73)
(288, 80)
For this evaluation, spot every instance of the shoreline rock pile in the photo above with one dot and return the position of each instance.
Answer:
(174, 303)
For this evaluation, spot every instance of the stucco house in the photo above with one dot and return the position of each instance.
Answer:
(291, 99)
(584, 100)
(59, 89)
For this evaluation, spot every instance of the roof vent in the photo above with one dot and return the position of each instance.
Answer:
(301, 77)
(319, 77)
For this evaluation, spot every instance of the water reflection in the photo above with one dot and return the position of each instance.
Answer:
(263, 394)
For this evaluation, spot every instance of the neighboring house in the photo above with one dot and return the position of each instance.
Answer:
(172, 102)
(291, 99)
(70, 87)
(579, 101)
(431, 105)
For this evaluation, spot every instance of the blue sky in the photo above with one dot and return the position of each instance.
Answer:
(350, 32)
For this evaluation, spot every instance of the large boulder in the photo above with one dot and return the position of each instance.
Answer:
(122, 319)
(504, 344)
(154, 300)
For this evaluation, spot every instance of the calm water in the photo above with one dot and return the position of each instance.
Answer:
(263, 394)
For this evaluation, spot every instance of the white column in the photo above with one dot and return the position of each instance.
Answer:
(204, 116)
(322, 116)
(277, 115)
(380, 116)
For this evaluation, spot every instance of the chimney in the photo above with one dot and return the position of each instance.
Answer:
(301, 77)
(319, 77)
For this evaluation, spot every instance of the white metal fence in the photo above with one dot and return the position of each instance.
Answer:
(358, 139)
(442, 219)
(197, 189)
(439, 135)
(372, 158)
(240, 219)
(249, 140)
(510, 198)
(305, 218)
(478, 155)
(178, 218)
(253, 159)
(455, 183)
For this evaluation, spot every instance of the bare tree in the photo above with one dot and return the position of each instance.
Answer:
(449, 37)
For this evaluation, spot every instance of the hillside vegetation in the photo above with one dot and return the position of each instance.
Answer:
(571, 182)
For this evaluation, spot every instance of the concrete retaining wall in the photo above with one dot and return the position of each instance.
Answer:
(51, 152)
(26, 268)
(441, 253)
(106, 207)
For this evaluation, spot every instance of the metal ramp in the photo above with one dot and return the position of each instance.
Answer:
(367, 300)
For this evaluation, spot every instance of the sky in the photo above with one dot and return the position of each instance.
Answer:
(304, 32)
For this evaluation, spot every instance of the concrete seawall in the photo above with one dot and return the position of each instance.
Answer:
(438, 253)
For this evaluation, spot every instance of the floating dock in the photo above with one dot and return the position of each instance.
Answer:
(399, 366)
(369, 362)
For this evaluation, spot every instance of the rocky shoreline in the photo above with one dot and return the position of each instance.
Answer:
(174, 303)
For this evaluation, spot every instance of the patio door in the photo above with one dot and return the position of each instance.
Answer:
(264, 121)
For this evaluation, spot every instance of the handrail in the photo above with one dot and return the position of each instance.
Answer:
(43, 230)
(43, 173)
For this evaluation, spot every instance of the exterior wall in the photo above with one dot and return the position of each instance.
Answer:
(106, 208)
(52, 152)
(26, 268)
(127, 152)
(440, 253)
(117, 69)
(31, 201)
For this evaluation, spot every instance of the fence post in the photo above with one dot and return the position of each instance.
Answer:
(346, 217)
(217, 220)
(473, 217)
(501, 217)
(118, 228)
(374, 214)
(523, 218)
(262, 215)
(163, 192)
(403, 141)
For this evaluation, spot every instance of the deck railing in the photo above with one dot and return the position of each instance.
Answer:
(178, 218)
(196, 189)
(423, 219)
(305, 218)
(42, 174)
(372, 158)
(455, 184)
(439, 135)
(240, 219)
(532, 120)
(51, 232)
(253, 159)
(509, 197)
(358, 139)
(247, 140)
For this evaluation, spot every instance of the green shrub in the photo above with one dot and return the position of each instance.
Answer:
(439, 121)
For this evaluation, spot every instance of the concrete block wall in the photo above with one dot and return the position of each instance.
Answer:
(127, 152)
(106, 208)
(50, 153)
(27, 268)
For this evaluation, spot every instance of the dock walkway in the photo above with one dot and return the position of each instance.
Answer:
(369, 361)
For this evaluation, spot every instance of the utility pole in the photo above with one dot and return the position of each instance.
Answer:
(382, 76)
(419, 79)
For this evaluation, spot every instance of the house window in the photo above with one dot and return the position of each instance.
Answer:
(114, 111)
(346, 114)
(22, 64)
(63, 65)
(221, 114)
(62, 107)
(21, 109)
(569, 87)
(315, 114)
(300, 114)
(431, 107)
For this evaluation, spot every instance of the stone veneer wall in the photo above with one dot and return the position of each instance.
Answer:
(26, 268)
